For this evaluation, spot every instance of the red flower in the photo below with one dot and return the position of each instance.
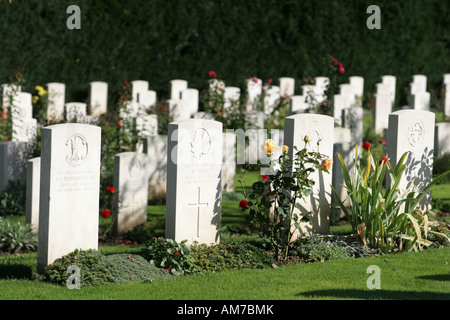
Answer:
(119, 124)
(212, 74)
(265, 178)
(366, 145)
(371, 101)
(111, 189)
(341, 68)
(3, 116)
(106, 213)
(384, 159)
(243, 204)
(177, 253)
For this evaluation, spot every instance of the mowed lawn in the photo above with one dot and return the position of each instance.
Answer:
(407, 275)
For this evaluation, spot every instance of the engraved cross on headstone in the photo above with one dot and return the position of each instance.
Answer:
(198, 204)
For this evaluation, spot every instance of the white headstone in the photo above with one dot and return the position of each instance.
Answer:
(447, 101)
(340, 102)
(346, 90)
(98, 98)
(342, 135)
(381, 111)
(347, 151)
(32, 193)
(357, 84)
(13, 159)
(320, 88)
(147, 99)
(176, 87)
(24, 130)
(8, 93)
(391, 82)
(412, 131)
(352, 118)
(229, 161)
(382, 88)
(76, 111)
(156, 149)
(442, 138)
(69, 190)
(271, 99)
(194, 194)
(298, 104)
(287, 87)
(318, 128)
(254, 91)
(56, 101)
(255, 119)
(178, 111)
(420, 83)
(137, 88)
(420, 101)
(190, 101)
(446, 78)
(131, 184)
(22, 106)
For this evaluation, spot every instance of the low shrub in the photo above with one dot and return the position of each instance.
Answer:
(180, 258)
(15, 237)
(131, 268)
(222, 257)
(94, 269)
(170, 255)
(98, 269)
(315, 248)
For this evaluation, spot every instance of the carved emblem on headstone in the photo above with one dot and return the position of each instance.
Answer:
(315, 136)
(134, 168)
(76, 150)
(200, 143)
(416, 132)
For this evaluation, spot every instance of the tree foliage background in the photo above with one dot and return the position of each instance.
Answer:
(161, 40)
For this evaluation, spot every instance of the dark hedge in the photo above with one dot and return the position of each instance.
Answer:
(160, 40)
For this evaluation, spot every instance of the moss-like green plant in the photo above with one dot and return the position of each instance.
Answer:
(94, 270)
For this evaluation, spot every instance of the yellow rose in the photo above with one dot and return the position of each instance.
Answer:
(269, 147)
(35, 99)
(306, 139)
(285, 149)
(41, 90)
(327, 164)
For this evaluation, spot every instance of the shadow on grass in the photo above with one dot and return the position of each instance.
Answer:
(15, 271)
(436, 277)
(376, 294)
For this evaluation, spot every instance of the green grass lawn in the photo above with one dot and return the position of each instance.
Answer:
(407, 275)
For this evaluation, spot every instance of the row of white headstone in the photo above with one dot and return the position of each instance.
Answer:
(70, 175)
